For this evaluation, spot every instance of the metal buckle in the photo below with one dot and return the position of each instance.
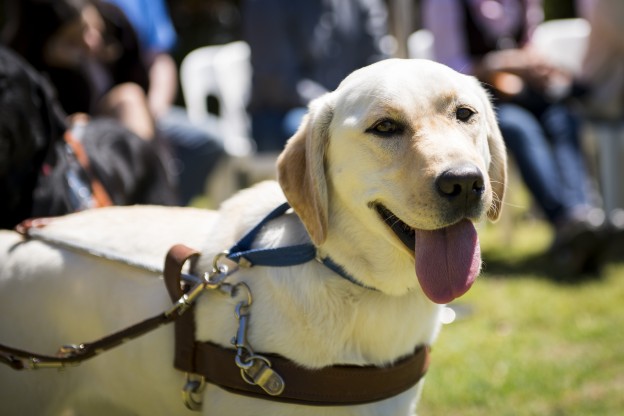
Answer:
(261, 374)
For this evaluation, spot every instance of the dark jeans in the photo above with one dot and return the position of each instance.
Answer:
(196, 150)
(272, 128)
(547, 151)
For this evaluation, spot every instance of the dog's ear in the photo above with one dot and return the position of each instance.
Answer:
(301, 169)
(498, 159)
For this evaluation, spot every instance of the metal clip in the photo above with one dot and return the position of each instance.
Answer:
(261, 374)
(36, 364)
(69, 350)
(210, 281)
(187, 299)
(64, 352)
(255, 369)
(243, 349)
(191, 392)
(244, 263)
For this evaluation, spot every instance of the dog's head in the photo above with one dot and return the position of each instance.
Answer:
(411, 152)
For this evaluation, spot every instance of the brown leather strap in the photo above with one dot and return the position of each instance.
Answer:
(19, 359)
(176, 257)
(330, 386)
(184, 356)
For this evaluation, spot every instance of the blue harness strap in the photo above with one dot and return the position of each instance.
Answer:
(279, 256)
(242, 252)
(340, 271)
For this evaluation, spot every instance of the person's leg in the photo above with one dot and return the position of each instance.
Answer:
(528, 144)
(577, 239)
(197, 151)
(267, 129)
(563, 130)
(128, 103)
(293, 120)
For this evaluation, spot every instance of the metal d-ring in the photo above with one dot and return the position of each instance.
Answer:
(191, 392)
(215, 277)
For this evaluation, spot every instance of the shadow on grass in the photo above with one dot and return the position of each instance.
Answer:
(525, 252)
(542, 266)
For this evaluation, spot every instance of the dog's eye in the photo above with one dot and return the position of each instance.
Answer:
(386, 128)
(464, 113)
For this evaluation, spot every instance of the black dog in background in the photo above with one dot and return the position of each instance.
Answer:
(42, 175)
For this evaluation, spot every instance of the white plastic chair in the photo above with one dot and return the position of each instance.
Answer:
(608, 138)
(420, 45)
(563, 41)
(223, 72)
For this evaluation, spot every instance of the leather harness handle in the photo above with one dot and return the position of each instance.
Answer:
(185, 345)
(176, 257)
(329, 386)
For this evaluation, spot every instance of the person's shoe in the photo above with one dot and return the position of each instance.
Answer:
(579, 245)
(615, 235)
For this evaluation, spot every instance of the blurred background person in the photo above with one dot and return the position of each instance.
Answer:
(603, 66)
(30, 121)
(89, 53)
(196, 148)
(492, 41)
(602, 78)
(302, 49)
(52, 165)
(94, 58)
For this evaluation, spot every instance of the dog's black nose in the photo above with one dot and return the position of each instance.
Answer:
(463, 184)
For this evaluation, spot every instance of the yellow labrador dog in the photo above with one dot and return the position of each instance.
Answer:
(386, 176)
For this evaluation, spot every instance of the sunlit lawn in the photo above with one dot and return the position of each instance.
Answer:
(527, 344)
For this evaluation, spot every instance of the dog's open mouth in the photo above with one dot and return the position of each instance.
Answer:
(447, 260)
(406, 234)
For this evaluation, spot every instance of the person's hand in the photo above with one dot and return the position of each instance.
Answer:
(510, 70)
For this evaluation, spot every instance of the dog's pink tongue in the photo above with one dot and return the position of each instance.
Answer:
(447, 261)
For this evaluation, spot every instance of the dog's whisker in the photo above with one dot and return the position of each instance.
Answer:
(508, 204)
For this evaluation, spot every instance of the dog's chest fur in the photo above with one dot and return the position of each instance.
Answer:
(307, 312)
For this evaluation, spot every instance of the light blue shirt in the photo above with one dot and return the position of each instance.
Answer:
(151, 21)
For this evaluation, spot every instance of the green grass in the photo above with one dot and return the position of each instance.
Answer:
(528, 344)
